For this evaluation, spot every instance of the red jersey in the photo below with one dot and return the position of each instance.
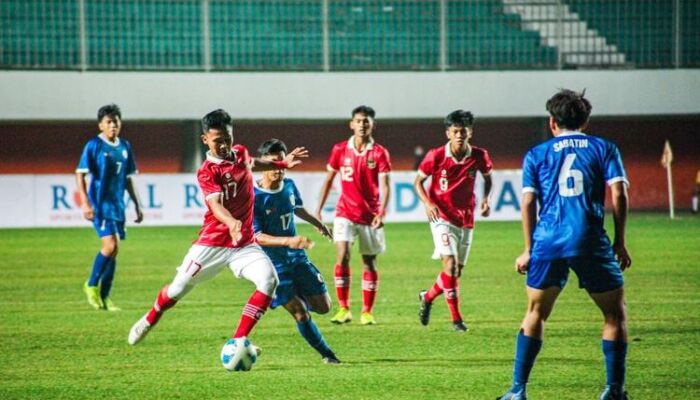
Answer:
(232, 180)
(359, 179)
(452, 186)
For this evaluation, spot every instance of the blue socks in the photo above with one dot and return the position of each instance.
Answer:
(526, 350)
(98, 267)
(615, 359)
(107, 278)
(309, 331)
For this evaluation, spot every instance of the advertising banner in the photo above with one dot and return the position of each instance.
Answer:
(175, 199)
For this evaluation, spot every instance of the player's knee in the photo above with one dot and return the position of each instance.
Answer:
(268, 284)
(301, 315)
(322, 307)
(369, 262)
(110, 248)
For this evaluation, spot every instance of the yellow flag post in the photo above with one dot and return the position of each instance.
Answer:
(666, 160)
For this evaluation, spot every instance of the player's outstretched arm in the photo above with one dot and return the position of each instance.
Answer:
(325, 189)
(131, 188)
(304, 214)
(485, 207)
(291, 160)
(431, 209)
(293, 242)
(620, 205)
(224, 216)
(529, 217)
(85, 206)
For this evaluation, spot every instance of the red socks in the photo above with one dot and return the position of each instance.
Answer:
(369, 290)
(450, 286)
(163, 302)
(342, 285)
(252, 312)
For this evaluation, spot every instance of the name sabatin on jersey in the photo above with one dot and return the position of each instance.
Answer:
(579, 143)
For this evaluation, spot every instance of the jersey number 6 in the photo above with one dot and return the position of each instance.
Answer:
(567, 172)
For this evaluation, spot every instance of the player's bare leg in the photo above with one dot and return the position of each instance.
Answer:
(370, 278)
(342, 282)
(320, 304)
(612, 305)
(308, 329)
(529, 342)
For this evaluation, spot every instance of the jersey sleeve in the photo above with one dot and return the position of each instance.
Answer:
(334, 159)
(131, 161)
(530, 181)
(426, 166)
(87, 160)
(298, 202)
(485, 166)
(209, 183)
(242, 155)
(385, 162)
(614, 170)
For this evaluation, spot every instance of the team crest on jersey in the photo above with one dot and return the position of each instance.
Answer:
(227, 175)
(371, 164)
(268, 212)
(125, 154)
(347, 161)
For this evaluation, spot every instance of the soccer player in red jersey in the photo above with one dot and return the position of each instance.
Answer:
(450, 207)
(226, 238)
(363, 166)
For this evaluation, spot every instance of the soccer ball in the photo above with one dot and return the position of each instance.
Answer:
(238, 354)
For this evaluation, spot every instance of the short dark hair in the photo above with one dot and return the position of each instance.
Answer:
(217, 119)
(272, 146)
(109, 109)
(459, 117)
(569, 109)
(367, 110)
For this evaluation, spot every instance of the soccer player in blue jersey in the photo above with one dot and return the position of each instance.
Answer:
(110, 162)
(566, 176)
(301, 286)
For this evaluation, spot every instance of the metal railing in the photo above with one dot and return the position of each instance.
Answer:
(348, 35)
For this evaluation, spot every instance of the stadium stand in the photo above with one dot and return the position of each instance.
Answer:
(345, 35)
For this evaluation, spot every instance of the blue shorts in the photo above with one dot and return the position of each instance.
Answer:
(299, 279)
(109, 227)
(595, 274)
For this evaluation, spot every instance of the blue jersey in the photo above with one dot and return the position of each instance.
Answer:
(568, 174)
(109, 164)
(273, 214)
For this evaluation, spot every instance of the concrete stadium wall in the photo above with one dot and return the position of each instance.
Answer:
(177, 96)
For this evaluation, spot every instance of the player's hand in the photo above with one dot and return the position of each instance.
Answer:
(432, 212)
(300, 242)
(139, 215)
(293, 158)
(623, 256)
(88, 212)
(485, 208)
(522, 263)
(377, 221)
(325, 231)
(234, 230)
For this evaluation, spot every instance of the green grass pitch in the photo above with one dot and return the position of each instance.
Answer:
(54, 346)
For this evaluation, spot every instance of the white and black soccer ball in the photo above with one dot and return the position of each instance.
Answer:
(238, 354)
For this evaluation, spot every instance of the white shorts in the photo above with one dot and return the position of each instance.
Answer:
(205, 262)
(371, 240)
(451, 240)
